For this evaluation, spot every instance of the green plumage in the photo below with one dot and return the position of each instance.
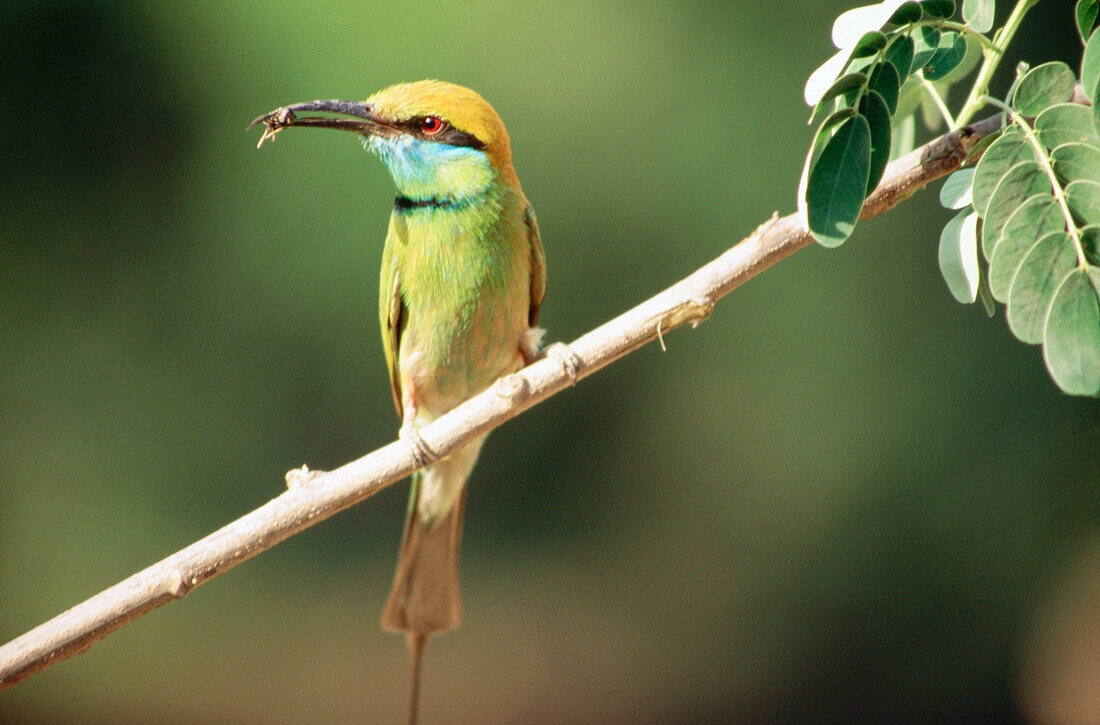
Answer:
(463, 277)
(454, 296)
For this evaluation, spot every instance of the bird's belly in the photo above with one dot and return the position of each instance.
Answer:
(458, 350)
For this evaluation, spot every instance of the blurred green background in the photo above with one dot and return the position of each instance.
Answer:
(844, 497)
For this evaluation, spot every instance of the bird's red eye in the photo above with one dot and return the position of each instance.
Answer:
(431, 125)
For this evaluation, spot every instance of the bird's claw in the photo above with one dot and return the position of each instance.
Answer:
(570, 362)
(423, 455)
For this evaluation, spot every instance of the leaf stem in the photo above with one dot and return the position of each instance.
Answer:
(961, 29)
(991, 59)
(938, 99)
(1044, 162)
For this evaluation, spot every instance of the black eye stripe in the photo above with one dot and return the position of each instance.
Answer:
(449, 135)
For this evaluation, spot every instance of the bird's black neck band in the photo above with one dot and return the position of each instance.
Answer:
(404, 203)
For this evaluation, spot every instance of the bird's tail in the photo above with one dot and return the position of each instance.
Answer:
(425, 598)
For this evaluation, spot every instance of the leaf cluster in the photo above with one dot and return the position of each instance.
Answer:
(894, 58)
(1030, 209)
(1027, 231)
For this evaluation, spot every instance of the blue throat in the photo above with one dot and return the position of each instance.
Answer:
(431, 175)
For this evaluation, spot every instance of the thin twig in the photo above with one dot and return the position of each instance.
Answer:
(934, 94)
(320, 496)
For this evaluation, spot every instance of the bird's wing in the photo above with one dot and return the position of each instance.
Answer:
(391, 310)
(538, 265)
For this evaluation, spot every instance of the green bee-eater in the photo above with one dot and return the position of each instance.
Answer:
(463, 276)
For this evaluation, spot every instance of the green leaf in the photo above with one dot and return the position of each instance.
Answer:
(1083, 199)
(957, 191)
(1044, 267)
(1022, 181)
(1071, 335)
(1090, 241)
(1066, 123)
(847, 82)
(842, 85)
(909, 12)
(1042, 87)
(1036, 217)
(939, 8)
(903, 139)
(1073, 161)
(900, 54)
(875, 110)
(908, 98)
(978, 14)
(1096, 109)
(1085, 14)
(823, 76)
(886, 81)
(824, 132)
(970, 60)
(1090, 66)
(852, 24)
(836, 185)
(871, 43)
(959, 256)
(981, 146)
(925, 46)
(950, 52)
(1008, 150)
(986, 297)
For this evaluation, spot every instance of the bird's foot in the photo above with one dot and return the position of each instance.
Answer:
(422, 453)
(300, 477)
(570, 362)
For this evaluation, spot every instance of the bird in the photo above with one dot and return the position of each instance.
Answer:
(463, 278)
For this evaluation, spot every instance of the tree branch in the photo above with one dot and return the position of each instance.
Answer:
(313, 499)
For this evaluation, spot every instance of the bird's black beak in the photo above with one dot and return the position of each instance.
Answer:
(364, 122)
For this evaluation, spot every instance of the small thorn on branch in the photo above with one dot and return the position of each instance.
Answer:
(177, 583)
(511, 387)
(301, 477)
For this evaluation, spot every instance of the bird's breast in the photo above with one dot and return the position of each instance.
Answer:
(464, 275)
